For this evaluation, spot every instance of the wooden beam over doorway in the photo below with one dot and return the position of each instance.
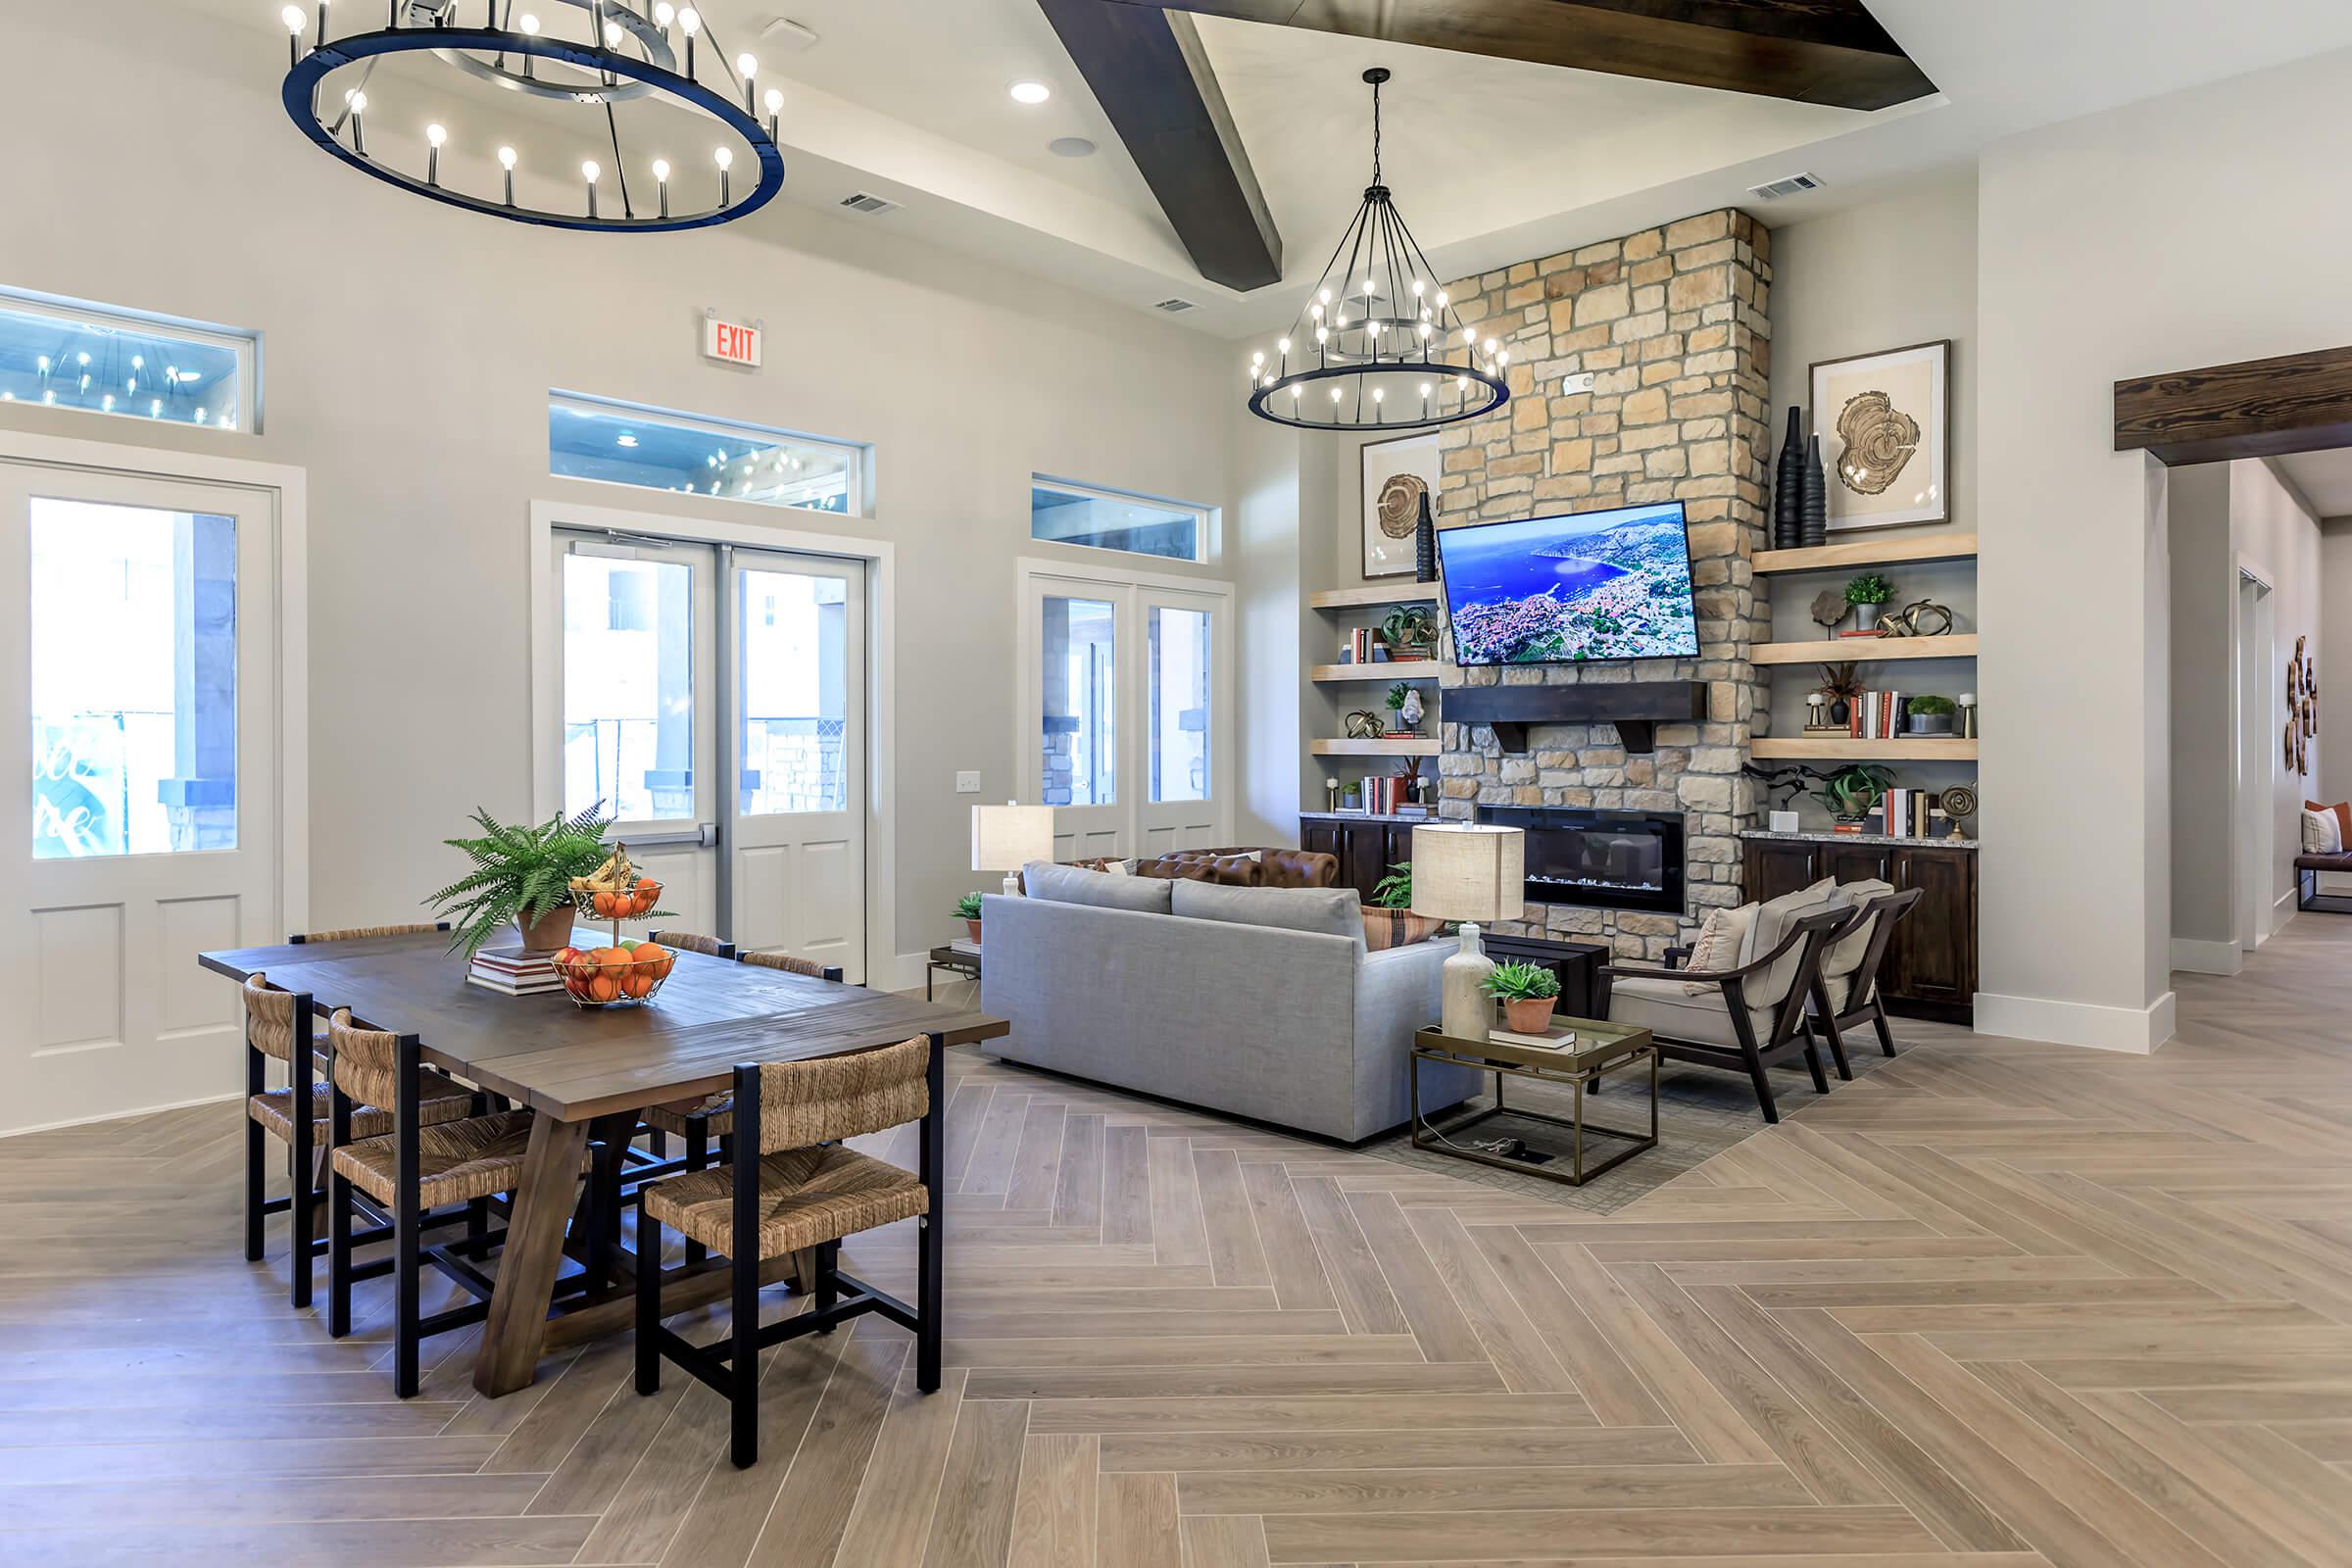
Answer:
(2254, 408)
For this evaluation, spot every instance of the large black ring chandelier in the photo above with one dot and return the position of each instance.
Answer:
(1378, 345)
(626, 54)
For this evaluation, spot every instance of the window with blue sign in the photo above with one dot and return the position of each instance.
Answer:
(133, 633)
(652, 448)
(62, 355)
(1066, 513)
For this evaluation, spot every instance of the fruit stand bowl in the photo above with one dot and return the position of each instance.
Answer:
(621, 904)
(624, 975)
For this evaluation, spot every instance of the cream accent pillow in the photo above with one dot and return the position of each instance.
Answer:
(2322, 834)
(1722, 935)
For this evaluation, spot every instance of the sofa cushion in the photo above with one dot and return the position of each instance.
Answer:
(1300, 869)
(1386, 928)
(2341, 810)
(1669, 1010)
(1722, 937)
(2323, 834)
(1328, 912)
(1226, 870)
(1071, 884)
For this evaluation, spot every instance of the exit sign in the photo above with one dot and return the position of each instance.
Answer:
(731, 342)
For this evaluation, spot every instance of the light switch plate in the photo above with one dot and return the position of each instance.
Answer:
(968, 783)
(1570, 385)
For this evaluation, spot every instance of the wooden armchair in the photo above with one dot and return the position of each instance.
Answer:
(1750, 1018)
(1846, 991)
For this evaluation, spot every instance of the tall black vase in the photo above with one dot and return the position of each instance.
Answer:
(1425, 544)
(1788, 490)
(1814, 508)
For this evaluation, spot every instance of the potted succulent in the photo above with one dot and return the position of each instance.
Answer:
(1865, 594)
(1929, 716)
(967, 910)
(1850, 793)
(1527, 992)
(522, 875)
(1410, 631)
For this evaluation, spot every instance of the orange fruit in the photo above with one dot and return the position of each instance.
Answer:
(603, 988)
(650, 955)
(636, 982)
(613, 958)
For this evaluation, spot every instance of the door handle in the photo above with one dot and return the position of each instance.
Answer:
(701, 836)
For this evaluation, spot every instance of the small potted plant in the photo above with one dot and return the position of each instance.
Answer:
(1527, 992)
(1865, 594)
(522, 875)
(967, 910)
(1410, 631)
(1841, 683)
(1405, 703)
(1929, 716)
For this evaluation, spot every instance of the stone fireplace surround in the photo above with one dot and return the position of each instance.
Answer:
(1672, 323)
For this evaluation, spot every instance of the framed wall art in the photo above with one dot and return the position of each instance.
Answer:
(1397, 475)
(1886, 424)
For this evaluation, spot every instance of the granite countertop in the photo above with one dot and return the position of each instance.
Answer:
(1825, 836)
(1363, 817)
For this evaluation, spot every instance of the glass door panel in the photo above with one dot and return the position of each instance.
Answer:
(1186, 678)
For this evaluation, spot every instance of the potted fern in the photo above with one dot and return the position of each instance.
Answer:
(521, 874)
(967, 910)
(1527, 992)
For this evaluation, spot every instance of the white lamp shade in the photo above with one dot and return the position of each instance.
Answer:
(1469, 871)
(1006, 838)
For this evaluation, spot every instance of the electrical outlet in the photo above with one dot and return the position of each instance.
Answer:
(968, 783)
(1570, 385)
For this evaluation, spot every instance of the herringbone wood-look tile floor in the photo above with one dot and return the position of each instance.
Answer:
(1995, 1306)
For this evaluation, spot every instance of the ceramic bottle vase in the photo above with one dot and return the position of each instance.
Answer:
(1787, 489)
(1814, 504)
(1425, 544)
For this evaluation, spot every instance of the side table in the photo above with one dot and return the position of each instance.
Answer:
(955, 961)
(1600, 1049)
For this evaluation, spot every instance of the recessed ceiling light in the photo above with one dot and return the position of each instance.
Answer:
(1070, 147)
(1030, 92)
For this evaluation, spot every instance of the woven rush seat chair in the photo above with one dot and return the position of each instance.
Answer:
(798, 1190)
(689, 942)
(397, 1179)
(356, 932)
(278, 1027)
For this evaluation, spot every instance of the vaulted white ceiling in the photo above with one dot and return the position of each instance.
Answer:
(1490, 160)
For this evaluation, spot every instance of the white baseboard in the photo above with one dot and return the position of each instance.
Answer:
(119, 1115)
(2282, 909)
(2135, 1030)
(2207, 958)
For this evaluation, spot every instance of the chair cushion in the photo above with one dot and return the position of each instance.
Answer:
(1669, 1009)
(2341, 810)
(807, 1196)
(1070, 884)
(1774, 921)
(1845, 956)
(2322, 832)
(1328, 912)
(457, 1159)
(273, 1107)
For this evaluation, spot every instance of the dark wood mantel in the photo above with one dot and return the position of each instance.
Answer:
(1635, 707)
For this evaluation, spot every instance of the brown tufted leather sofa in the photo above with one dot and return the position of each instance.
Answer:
(1234, 867)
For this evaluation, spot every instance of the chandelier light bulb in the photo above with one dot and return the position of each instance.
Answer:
(690, 21)
(1335, 394)
(1468, 336)
(82, 357)
(612, 34)
(1368, 288)
(293, 18)
(1441, 299)
(506, 159)
(664, 14)
(435, 135)
(529, 26)
(774, 99)
(589, 171)
(1378, 393)
(725, 158)
(1322, 334)
(747, 67)
(106, 403)
(357, 101)
(1416, 288)
(1425, 389)
(662, 169)
(1490, 345)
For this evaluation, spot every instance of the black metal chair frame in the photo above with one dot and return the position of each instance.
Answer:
(1863, 1003)
(731, 1366)
(1786, 1038)
(408, 1219)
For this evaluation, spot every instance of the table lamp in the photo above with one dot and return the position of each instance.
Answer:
(1007, 837)
(1469, 872)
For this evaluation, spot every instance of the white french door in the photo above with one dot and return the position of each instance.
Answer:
(139, 782)
(713, 698)
(1126, 713)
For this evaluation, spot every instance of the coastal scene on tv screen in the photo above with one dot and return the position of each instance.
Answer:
(1610, 584)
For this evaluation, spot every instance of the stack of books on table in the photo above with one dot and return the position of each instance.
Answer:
(513, 972)
(966, 946)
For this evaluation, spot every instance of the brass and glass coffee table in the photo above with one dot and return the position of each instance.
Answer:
(1600, 1049)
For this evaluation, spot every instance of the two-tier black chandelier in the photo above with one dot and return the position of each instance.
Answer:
(622, 54)
(1378, 345)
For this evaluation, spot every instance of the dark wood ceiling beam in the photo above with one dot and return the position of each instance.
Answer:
(2254, 408)
(1812, 50)
(1147, 70)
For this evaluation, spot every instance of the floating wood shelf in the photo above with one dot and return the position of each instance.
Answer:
(1836, 649)
(1423, 746)
(1925, 749)
(1635, 707)
(1394, 669)
(1869, 553)
(1374, 596)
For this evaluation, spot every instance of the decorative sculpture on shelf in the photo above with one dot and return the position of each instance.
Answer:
(1425, 544)
(1788, 487)
(1364, 725)
(1921, 617)
(1815, 513)
(1829, 609)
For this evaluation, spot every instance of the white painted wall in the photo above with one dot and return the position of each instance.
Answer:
(2335, 659)
(2270, 527)
(2204, 721)
(2192, 229)
(409, 352)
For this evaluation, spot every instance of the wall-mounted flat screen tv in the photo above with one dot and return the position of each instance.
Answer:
(1571, 589)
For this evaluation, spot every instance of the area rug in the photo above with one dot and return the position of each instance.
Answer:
(1701, 1112)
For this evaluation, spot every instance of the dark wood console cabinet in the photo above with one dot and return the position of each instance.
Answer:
(1366, 846)
(1930, 968)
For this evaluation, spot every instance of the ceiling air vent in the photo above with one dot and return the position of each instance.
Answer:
(1774, 190)
(867, 201)
(1174, 306)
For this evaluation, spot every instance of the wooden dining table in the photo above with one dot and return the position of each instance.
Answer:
(576, 1067)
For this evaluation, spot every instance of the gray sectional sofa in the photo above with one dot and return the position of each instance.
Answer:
(1261, 1002)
